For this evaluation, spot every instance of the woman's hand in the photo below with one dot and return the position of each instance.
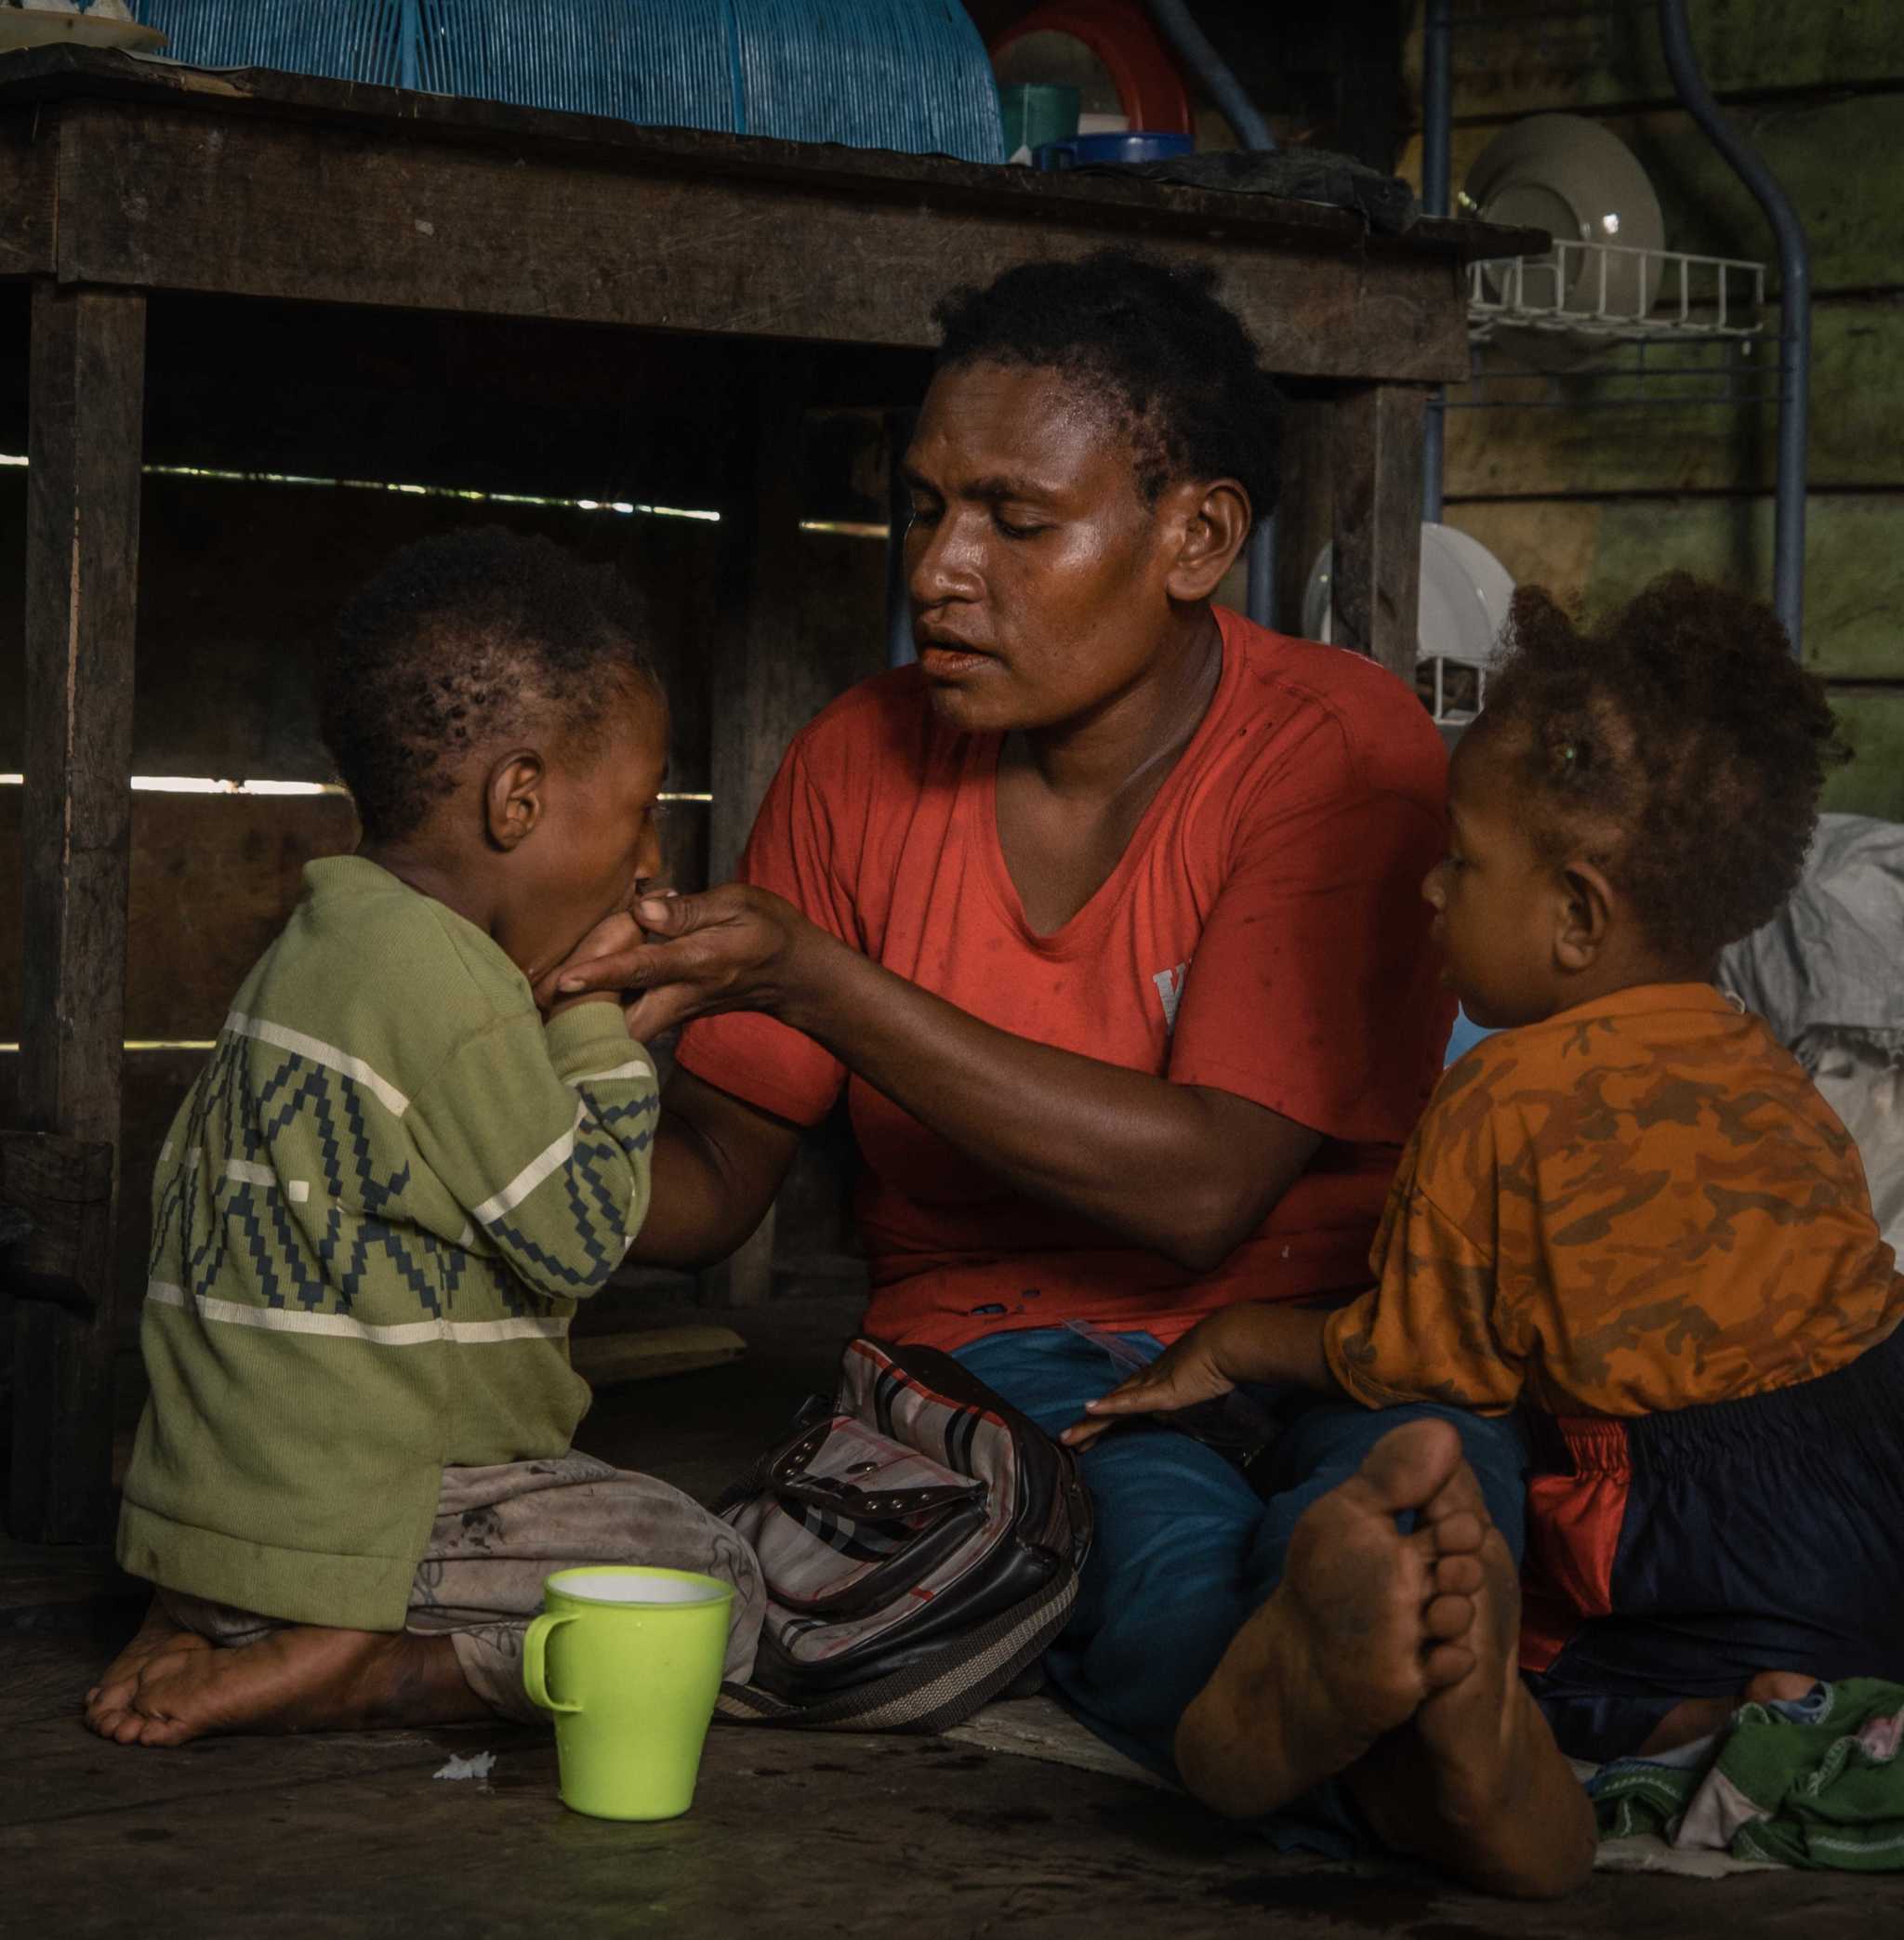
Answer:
(1188, 1371)
(675, 957)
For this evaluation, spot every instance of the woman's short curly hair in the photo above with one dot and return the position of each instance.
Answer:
(1176, 365)
(1680, 745)
(461, 640)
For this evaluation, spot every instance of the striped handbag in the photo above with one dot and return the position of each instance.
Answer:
(920, 1541)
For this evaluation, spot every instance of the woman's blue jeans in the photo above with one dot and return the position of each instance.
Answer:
(1185, 1549)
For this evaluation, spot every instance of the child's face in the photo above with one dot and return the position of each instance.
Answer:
(597, 839)
(1493, 894)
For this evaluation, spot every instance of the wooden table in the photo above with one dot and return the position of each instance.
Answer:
(121, 180)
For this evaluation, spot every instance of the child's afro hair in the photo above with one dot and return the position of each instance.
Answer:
(1174, 365)
(1681, 742)
(461, 640)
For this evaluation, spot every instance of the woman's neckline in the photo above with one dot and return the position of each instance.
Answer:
(1078, 930)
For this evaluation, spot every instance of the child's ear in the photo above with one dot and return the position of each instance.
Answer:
(512, 797)
(1586, 915)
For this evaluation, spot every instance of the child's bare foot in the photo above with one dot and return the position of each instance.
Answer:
(1358, 1633)
(1695, 1718)
(1476, 1782)
(158, 1636)
(180, 1687)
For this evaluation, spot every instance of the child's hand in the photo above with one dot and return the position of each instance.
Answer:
(609, 937)
(1184, 1374)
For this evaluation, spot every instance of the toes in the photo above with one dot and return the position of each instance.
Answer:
(122, 1727)
(1411, 1464)
(162, 1733)
(1446, 1662)
(1459, 1533)
(1457, 1500)
(1458, 1576)
(1447, 1618)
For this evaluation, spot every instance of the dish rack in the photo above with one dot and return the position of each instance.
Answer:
(1566, 293)
(1705, 337)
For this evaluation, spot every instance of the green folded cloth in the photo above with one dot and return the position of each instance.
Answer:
(1816, 1783)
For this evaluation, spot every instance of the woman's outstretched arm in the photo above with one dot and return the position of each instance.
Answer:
(1187, 1170)
(716, 1166)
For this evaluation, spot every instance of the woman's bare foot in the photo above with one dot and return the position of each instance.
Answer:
(168, 1687)
(1695, 1718)
(1475, 1783)
(1366, 1623)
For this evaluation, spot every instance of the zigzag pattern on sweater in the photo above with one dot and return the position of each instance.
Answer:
(591, 1205)
(239, 1109)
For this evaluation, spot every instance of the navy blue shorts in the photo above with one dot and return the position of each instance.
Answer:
(1678, 1554)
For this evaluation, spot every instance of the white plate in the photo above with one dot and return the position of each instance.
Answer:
(32, 27)
(1490, 581)
(1466, 592)
(1572, 178)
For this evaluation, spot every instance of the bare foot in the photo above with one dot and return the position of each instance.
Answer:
(169, 1687)
(1360, 1631)
(1475, 1783)
(1695, 1718)
(158, 1636)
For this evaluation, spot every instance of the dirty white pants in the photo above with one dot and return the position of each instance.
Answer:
(500, 1530)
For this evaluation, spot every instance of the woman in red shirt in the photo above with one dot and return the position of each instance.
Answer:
(1106, 916)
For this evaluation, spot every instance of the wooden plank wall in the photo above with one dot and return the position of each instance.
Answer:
(1594, 503)
(239, 585)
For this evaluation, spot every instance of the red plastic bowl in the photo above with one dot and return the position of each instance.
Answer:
(1118, 32)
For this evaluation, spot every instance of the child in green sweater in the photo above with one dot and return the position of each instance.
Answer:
(397, 1174)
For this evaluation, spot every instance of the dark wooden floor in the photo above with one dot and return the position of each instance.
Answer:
(789, 1836)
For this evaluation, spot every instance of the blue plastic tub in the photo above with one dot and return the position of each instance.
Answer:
(907, 74)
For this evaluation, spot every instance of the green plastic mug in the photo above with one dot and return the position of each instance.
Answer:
(1035, 112)
(628, 1661)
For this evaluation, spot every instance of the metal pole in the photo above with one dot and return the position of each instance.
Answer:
(1194, 49)
(1258, 558)
(1437, 119)
(901, 651)
(1794, 311)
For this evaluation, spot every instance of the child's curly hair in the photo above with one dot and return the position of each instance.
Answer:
(455, 640)
(1681, 742)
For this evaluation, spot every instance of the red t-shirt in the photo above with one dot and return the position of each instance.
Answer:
(1263, 935)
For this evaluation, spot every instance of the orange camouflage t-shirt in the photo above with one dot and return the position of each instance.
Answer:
(1639, 1205)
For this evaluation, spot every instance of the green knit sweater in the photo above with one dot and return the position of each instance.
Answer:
(375, 1210)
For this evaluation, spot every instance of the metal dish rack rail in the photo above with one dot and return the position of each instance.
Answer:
(1719, 340)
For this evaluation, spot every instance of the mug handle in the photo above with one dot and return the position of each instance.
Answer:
(536, 1668)
(1055, 156)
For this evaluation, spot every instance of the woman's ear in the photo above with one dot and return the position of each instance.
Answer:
(512, 797)
(1216, 523)
(1585, 915)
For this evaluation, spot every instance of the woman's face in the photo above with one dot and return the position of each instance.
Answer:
(1039, 576)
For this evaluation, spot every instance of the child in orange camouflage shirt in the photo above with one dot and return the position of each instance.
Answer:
(1629, 1213)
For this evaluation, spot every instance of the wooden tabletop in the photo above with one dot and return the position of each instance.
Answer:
(63, 73)
(253, 182)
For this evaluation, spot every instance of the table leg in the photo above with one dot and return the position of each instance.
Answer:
(1376, 453)
(762, 689)
(86, 401)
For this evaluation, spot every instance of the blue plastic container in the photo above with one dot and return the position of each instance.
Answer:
(905, 74)
(1089, 150)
